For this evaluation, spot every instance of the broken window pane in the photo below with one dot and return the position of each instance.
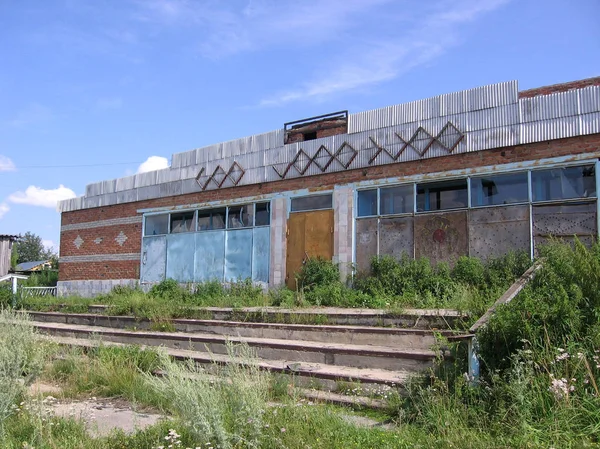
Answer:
(367, 202)
(240, 216)
(564, 183)
(442, 195)
(502, 189)
(396, 200)
(211, 219)
(315, 202)
(182, 222)
(263, 214)
(156, 224)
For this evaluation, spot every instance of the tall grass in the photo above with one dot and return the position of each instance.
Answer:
(21, 359)
(225, 410)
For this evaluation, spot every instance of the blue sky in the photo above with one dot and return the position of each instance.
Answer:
(90, 90)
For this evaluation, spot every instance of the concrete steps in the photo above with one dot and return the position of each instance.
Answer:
(326, 356)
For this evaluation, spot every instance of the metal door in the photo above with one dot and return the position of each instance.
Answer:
(310, 235)
(154, 259)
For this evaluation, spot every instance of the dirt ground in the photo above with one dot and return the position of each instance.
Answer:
(101, 416)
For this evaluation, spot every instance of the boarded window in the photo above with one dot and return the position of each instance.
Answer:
(262, 215)
(498, 190)
(315, 202)
(156, 224)
(564, 183)
(183, 222)
(442, 195)
(396, 200)
(211, 219)
(367, 203)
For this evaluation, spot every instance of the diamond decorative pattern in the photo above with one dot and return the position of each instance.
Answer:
(218, 177)
(345, 154)
(421, 141)
(78, 241)
(323, 158)
(98, 240)
(121, 238)
(302, 161)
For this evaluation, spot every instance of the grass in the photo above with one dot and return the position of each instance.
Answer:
(540, 384)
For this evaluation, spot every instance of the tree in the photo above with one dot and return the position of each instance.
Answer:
(30, 248)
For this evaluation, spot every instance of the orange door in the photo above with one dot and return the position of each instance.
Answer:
(310, 235)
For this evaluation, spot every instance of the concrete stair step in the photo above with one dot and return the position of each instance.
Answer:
(440, 319)
(345, 334)
(303, 373)
(350, 355)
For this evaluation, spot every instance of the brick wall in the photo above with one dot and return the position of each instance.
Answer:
(562, 87)
(130, 269)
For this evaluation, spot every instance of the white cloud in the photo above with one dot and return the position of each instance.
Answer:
(376, 61)
(3, 209)
(36, 196)
(153, 163)
(6, 164)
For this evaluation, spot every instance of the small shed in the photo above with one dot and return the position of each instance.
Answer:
(6, 243)
(37, 265)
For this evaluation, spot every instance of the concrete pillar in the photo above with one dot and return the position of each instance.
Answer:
(343, 218)
(278, 242)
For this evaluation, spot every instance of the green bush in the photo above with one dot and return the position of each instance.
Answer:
(317, 272)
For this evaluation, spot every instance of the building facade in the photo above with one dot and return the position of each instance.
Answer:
(477, 172)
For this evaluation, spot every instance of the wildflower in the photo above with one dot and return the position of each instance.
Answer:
(282, 429)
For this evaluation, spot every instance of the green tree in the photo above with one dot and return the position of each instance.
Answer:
(30, 248)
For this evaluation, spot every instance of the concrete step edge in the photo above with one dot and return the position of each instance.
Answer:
(278, 326)
(318, 370)
(184, 337)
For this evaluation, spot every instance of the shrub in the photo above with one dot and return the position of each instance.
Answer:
(21, 359)
(317, 272)
(226, 410)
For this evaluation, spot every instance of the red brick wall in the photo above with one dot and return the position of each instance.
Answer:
(563, 87)
(130, 269)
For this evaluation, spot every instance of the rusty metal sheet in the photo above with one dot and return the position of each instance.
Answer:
(210, 255)
(366, 242)
(494, 231)
(238, 254)
(396, 236)
(181, 250)
(261, 245)
(154, 258)
(565, 221)
(441, 237)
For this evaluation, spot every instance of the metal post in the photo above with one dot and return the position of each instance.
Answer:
(473, 360)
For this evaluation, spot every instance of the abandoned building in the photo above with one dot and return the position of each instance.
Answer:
(477, 172)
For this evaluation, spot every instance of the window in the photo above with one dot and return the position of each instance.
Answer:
(367, 202)
(183, 222)
(156, 224)
(211, 219)
(497, 190)
(442, 195)
(396, 200)
(262, 214)
(315, 202)
(240, 216)
(564, 183)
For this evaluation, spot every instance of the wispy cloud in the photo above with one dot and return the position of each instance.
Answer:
(31, 114)
(3, 209)
(226, 28)
(36, 196)
(6, 164)
(153, 163)
(109, 103)
(394, 53)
